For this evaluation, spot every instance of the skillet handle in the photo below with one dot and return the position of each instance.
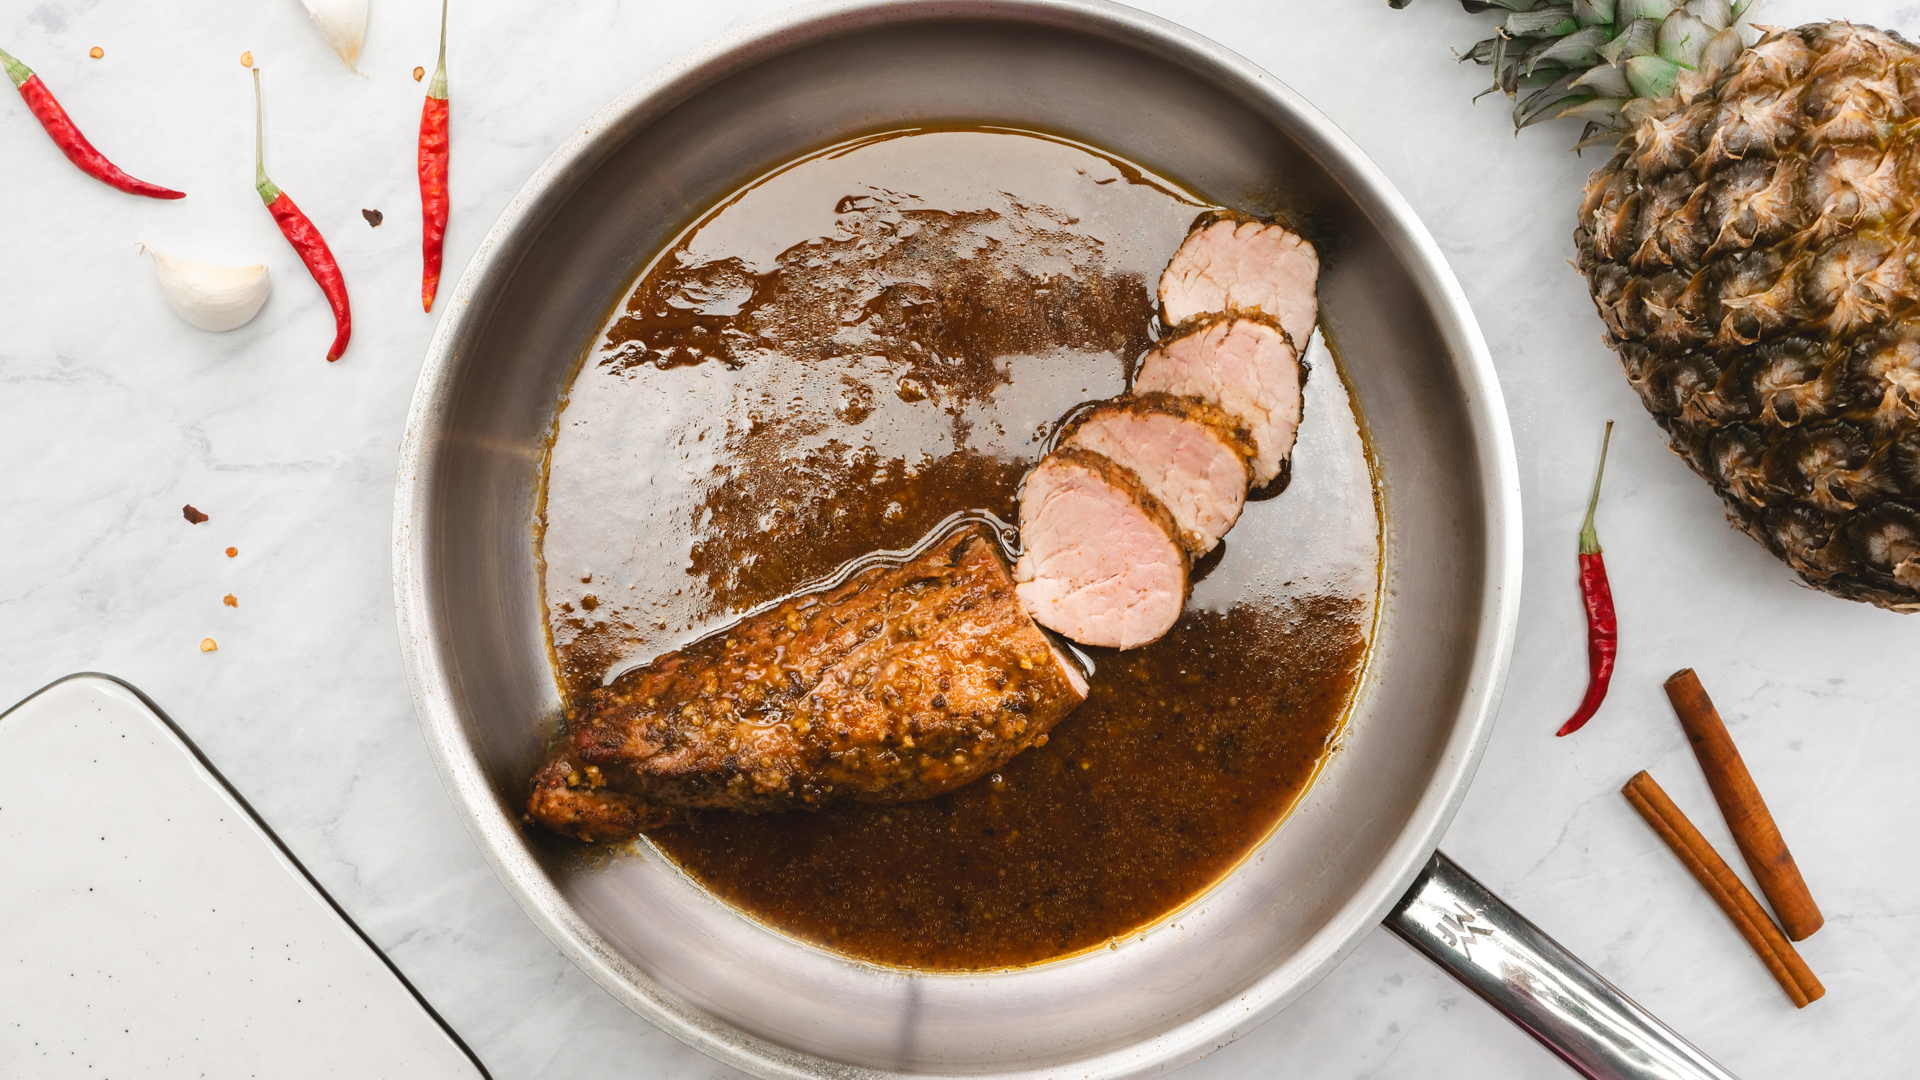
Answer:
(1499, 955)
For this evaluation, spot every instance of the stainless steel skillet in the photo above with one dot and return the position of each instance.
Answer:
(1360, 849)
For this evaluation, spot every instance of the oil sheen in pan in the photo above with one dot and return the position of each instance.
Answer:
(841, 356)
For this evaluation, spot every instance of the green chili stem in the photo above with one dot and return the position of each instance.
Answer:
(16, 70)
(1590, 540)
(268, 192)
(438, 87)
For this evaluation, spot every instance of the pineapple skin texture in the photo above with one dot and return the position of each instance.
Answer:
(1751, 250)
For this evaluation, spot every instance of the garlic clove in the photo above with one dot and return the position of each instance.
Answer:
(344, 24)
(211, 297)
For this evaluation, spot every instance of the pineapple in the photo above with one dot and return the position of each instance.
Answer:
(1750, 246)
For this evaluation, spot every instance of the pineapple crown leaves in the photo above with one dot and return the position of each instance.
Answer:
(1607, 62)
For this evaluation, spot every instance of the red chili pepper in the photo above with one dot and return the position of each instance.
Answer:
(433, 174)
(1603, 629)
(68, 138)
(299, 231)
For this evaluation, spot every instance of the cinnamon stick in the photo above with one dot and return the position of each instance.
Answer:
(1718, 879)
(1746, 812)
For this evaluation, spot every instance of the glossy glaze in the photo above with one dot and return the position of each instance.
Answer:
(835, 360)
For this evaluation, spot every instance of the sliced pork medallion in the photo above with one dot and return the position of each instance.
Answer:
(1232, 262)
(1190, 454)
(1102, 563)
(1245, 365)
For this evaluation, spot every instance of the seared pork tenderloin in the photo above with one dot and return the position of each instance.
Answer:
(908, 681)
(899, 684)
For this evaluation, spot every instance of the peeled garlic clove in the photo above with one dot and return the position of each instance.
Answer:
(211, 297)
(344, 24)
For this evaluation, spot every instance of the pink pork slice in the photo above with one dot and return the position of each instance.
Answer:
(1230, 262)
(1188, 453)
(1100, 564)
(1246, 366)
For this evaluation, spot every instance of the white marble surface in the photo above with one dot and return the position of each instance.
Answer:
(113, 413)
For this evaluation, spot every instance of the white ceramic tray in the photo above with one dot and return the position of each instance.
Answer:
(156, 928)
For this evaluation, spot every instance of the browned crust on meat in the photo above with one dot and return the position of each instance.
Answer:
(572, 798)
(1224, 425)
(1239, 217)
(899, 684)
(1202, 323)
(1128, 481)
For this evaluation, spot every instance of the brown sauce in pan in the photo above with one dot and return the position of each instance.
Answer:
(841, 356)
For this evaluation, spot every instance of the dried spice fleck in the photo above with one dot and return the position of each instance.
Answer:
(246, 59)
(374, 217)
(419, 73)
(194, 517)
(96, 52)
(230, 600)
(232, 551)
(207, 644)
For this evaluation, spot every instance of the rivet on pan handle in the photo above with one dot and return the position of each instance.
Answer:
(1538, 985)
